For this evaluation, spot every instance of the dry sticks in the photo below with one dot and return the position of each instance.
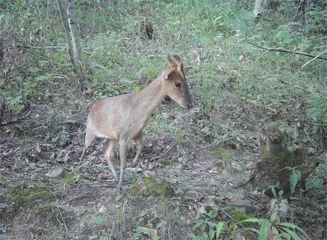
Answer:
(319, 56)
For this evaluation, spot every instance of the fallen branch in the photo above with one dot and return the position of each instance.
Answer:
(288, 51)
(34, 47)
(16, 120)
(80, 197)
(161, 156)
(314, 58)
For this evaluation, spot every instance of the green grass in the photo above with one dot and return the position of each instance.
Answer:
(210, 35)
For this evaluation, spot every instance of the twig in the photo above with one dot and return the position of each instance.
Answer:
(47, 188)
(155, 155)
(273, 110)
(288, 51)
(34, 47)
(80, 197)
(62, 218)
(198, 149)
(15, 120)
(102, 15)
(314, 58)
(164, 154)
(318, 124)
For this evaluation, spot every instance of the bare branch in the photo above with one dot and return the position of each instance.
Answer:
(288, 51)
(314, 58)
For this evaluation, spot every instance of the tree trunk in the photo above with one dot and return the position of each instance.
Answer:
(72, 37)
(260, 7)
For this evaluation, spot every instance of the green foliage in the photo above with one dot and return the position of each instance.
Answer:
(103, 223)
(219, 229)
(142, 231)
(267, 228)
(312, 183)
(239, 215)
(317, 22)
(99, 220)
(211, 36)
(149, 186)
(69, 178)
(262, 228)
(207, 227)
(318, 107)
(273, 191)
(294, 179)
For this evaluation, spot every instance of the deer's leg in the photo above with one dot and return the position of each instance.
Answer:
(107, 156)
(138, 141)
(89, 138)
(123, 156)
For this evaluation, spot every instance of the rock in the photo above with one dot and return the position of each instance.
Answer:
(35, 176)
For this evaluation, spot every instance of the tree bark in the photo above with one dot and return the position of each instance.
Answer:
(260, 7)
(72, 37)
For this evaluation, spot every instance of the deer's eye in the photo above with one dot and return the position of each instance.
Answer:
(177, 84)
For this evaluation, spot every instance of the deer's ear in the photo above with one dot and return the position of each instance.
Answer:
(187, 68)
(168, 73)
(171, 62)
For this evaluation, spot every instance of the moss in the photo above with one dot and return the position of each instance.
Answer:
(148, 186)
(276, 161)
(278, 158)
(163, 162)
(28, 196)
(239, 215)
(135, 190)
(222, 153)
(43, 209)
(37, 202)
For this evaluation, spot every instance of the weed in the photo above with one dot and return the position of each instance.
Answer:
(273, 228)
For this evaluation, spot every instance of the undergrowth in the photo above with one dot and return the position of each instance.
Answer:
(215, 37)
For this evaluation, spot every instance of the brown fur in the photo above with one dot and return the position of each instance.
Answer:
(122, 118)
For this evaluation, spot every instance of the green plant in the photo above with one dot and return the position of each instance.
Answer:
(144, 231)
(317, 108)
(273, 191)
(272, 228)
(99, 220)
(213, 234)
(207, 226)
(294, 179)
(69, 178)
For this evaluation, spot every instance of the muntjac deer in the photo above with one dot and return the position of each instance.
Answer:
(122, 118)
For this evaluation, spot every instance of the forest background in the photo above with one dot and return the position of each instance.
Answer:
(248, 161)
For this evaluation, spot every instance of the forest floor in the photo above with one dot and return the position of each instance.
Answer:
(52, 195)
(197, 166)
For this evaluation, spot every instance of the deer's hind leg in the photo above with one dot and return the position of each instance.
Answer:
(89, 138)
(108, 154)
(139, 145)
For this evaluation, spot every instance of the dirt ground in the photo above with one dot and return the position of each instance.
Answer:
(47, 193)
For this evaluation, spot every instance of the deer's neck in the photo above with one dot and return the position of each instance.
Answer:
(148, 99)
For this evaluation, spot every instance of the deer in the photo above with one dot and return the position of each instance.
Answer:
(122, 118)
